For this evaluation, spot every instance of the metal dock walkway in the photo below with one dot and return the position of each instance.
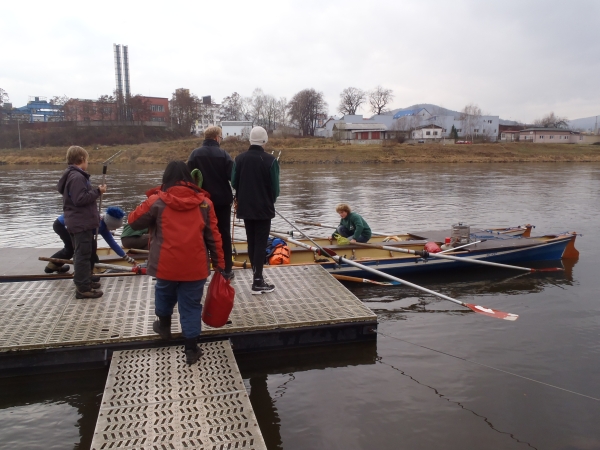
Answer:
(153, 400)
(49, 327)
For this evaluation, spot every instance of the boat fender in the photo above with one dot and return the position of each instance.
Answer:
(432, 247)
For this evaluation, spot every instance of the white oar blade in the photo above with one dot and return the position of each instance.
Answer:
(492, 312)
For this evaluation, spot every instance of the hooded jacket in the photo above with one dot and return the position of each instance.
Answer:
(79, 200)
(184, 237)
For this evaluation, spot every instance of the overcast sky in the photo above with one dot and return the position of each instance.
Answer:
(517, 59)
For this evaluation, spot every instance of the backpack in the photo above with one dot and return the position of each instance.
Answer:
(277, 252)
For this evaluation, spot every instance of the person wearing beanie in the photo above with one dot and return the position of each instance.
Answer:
(255, 178)
(112, 220)
(214, 166)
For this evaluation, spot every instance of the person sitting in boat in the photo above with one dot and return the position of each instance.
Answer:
(352, 225)
(112, 220)
(131, 238)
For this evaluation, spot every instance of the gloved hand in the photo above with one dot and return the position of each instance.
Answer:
(227, 275)
(129, 259)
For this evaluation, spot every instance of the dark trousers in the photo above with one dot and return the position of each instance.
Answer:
(223, 213)
(188, 296)
(138, 242)
(348, 234)
(67, 251)
(83, 258)
(257, 233)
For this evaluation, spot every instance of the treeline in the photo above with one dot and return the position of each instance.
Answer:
(66, 134)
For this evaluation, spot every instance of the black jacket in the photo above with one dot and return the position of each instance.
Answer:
(215, 165)
(255, 179)
(79, 200)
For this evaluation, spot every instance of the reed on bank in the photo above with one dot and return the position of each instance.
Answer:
(323, 151)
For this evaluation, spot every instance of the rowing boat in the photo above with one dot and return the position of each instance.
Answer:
(508, 246)
(484, 245)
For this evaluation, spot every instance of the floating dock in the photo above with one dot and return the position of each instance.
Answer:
(153, 400)
(50, 328)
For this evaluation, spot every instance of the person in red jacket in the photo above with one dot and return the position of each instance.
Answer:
(183, 234)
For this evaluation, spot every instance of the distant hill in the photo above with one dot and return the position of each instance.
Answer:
(438, 110)
(585, 124)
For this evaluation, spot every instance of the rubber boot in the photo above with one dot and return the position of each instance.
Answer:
(192, 351)
(162, 326)
(58, 268)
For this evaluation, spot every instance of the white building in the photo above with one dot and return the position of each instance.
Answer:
(236, 128)
(209, 115)
(427, 132)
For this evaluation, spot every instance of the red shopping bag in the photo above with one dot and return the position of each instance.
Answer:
(219, 301)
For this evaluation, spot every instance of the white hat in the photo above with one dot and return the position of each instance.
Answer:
(113, 218)
(258, 136)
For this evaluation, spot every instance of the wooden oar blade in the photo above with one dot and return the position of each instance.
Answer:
(492, 312)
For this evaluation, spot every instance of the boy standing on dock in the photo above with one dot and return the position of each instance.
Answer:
(255, 178)
(81, 218)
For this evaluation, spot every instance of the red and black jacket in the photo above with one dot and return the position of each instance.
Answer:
(184, 237)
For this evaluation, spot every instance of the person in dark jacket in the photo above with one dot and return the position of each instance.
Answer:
(183, 235)
(255, 178)
(81, 218)
(215, 165)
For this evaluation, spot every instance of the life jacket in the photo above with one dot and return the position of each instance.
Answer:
(277, 252)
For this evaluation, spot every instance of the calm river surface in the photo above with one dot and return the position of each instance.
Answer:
(437, 378)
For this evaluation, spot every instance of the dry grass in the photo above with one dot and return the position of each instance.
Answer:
(324, 151)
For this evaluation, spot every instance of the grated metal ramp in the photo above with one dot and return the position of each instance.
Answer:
(153, 400)
(46, 314)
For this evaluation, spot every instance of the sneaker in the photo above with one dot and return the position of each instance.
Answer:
(88, 294)
(164, 332)
(261, 286)
(94, 285)
(51, 267)
(192, 355)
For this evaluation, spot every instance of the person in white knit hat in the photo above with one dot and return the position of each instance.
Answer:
(255, 178)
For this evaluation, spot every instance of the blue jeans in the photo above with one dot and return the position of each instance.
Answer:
(189, 295)
(348, 234)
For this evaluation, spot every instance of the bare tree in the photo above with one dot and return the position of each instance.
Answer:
(350, 100)
(59, 100)
(282, 112)
(305, 109)
(270, 112)
(106, 107)
(470, 117)
(184, 110)
(140, 108)
(379, 98)
(232, 107)
(257, 103)
(552, 121)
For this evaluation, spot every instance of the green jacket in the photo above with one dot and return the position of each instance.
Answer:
(357, 225)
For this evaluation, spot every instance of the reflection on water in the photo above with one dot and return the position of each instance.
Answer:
(392, 395)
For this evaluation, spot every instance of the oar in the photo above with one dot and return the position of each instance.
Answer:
(478, 309)
(325, 225)
(104, 168)
(363, 280)
(425, 254)
(136, 269)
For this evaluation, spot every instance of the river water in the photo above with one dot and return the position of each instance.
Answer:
(437, 377)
